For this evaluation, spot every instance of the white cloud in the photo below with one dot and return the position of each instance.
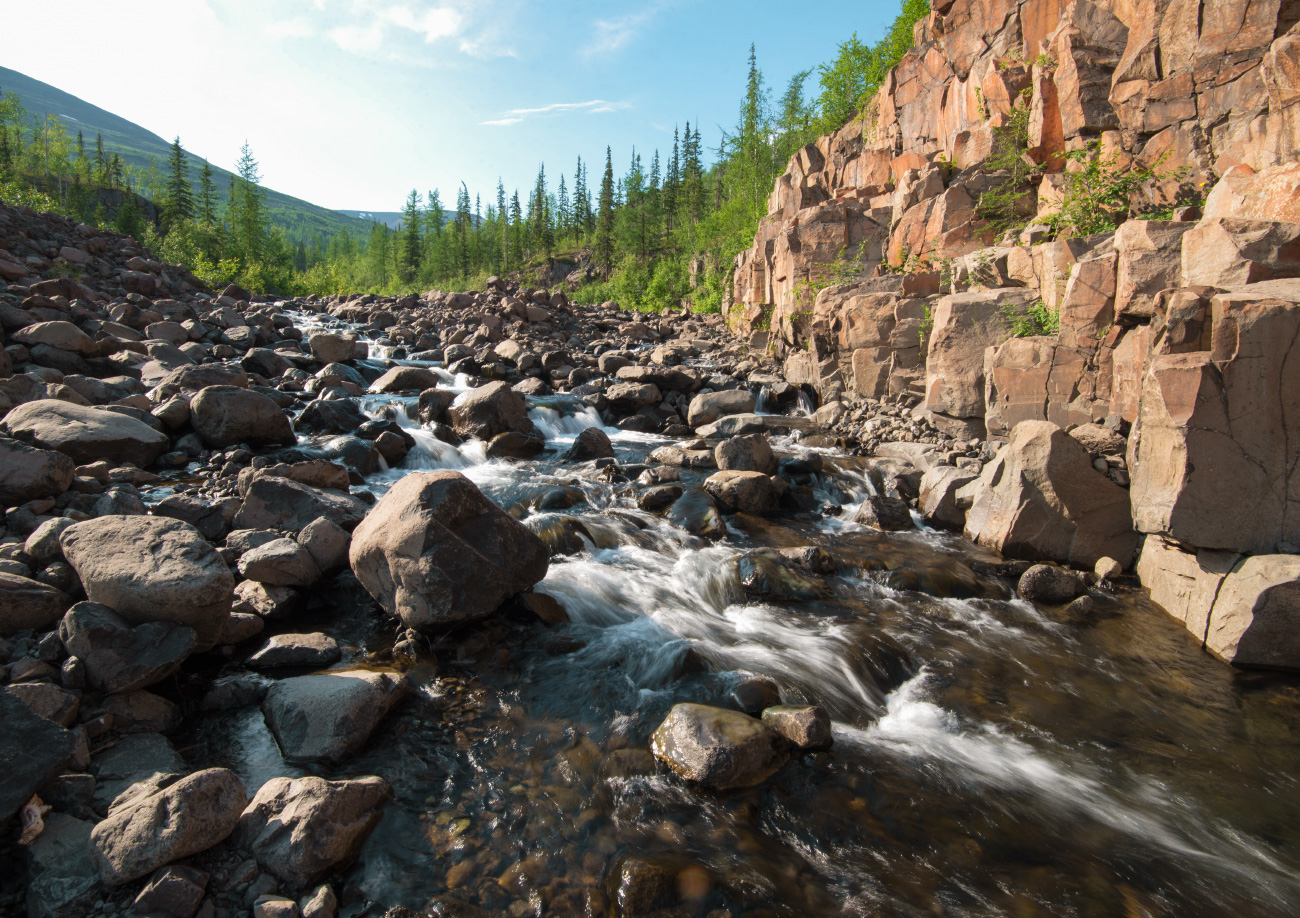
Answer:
(612, 34)
(593, 107)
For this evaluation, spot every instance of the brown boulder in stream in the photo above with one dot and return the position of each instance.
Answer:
(435, 552)
(718, 747)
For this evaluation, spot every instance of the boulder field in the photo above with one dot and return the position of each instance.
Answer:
(190, 477)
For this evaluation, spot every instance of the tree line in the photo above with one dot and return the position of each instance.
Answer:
(663, 232)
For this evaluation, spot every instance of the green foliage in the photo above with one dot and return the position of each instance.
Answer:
(1098, 195)
(1011, 204)
(857, 72)
(927, 323)
(1037, 319)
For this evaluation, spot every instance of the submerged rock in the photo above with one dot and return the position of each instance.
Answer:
(807, 726)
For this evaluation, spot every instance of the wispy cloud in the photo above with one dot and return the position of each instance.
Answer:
(610, 35)
(290, 28)
(593, 107)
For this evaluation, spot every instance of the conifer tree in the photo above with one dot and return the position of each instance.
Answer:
(462, 227)
(434, 218)
(563, 210)
(516, 230)
(605, 219)
(206, 209)
(179, 203)
(581, 202)
(505, 225)
(411, 218)
(672, 185)
(101, 161)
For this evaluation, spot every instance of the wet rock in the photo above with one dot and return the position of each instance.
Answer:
(275, 907)
(747, 453)
(405, 379)
(752, 694)
(643, 888)
(708, 407)
(28, 473)
(807, 726)
(28, 604)
(515, 445)
(1041, 499)
(280, 562)
(86, 434)
(34, 750)
(654, 499)
(235, 691)
(172, 892)
(138, 712)
(490, 410)
(119, 657)
(300, 829)
(1049, 585)
(155, 823)
(228, 415)
(719, 748)
(884, 512)
(328, 717)
(696, 513)
(290, 506)
(315, 649)
(149, 569)
(62, 878)
(326, 416)
(593, 443)
(768, 577)
(435, 551)
(745, 492)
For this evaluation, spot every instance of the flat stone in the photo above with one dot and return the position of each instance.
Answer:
(328, 717)
(296, 650)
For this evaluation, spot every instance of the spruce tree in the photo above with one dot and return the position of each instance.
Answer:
(248, 217)
(207, 203)
(101, 161)
(516, 229)
(462, 226)
(672, 185)
(563, 210)
(411, 235)
(581, 202)
(605, 218)
(179, 202)
(504, 217)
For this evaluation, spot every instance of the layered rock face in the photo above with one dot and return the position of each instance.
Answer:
(1177, 334)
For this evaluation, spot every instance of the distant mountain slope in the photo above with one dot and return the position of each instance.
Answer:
(300, 219)
(393, 218)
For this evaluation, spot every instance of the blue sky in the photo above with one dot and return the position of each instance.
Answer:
(351, 103)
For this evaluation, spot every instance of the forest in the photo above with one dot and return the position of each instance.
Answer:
(662, 232)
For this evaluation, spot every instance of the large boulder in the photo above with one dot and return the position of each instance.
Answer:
(1256, 617)
(272, 502)
(744, 492)
(747, 453)
(60, 335)
(33, 751)
(117, 657)
(86, 434)
(718, 747)
(489, 410)
(707, 407)
(300, 829)
(229, 415)
(328, 717)
(1184, 583)
(405, 379)
(940, 498)
(148, 569)
(28, 473)
(1041, 500)
(1212, 455)
(165, 819)
(1233, 252)
(195, 378)
(434, 551)
(329, 348)
(280, 562)
(28, 604)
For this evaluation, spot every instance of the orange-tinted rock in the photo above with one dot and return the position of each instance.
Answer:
(964, 325)
(1270, 194)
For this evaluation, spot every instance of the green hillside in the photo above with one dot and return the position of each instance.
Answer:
(300, 220)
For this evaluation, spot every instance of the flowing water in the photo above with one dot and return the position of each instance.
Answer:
(991, 757)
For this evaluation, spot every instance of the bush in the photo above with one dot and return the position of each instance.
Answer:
(1099, 196)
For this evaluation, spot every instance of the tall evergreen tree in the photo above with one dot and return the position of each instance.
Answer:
(206, 209)
(605, 218)
(581, 202)
(563, 210)
(101, 161)
(434, 218)
(516, 230)
(462, 227)
(672, 185)
(247, 213)
(504, 217)
(411, 219)
(179, 202)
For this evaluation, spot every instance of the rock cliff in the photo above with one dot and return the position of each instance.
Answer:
(1176, 330)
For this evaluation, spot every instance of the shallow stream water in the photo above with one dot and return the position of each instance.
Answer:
(990, 758)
